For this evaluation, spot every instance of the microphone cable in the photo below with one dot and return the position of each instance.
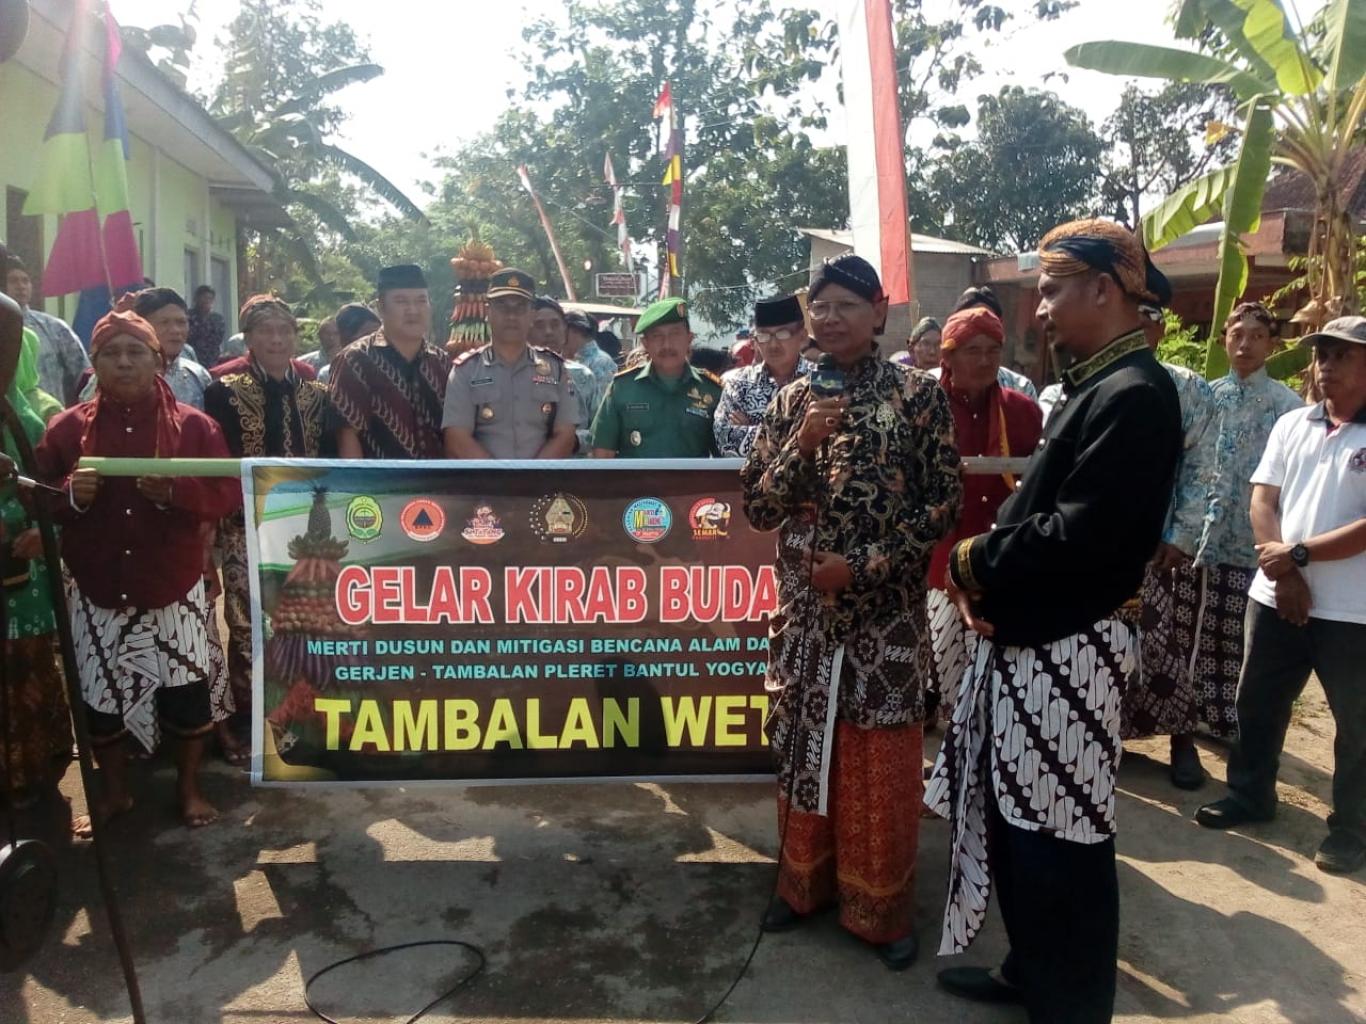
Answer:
(805, 679)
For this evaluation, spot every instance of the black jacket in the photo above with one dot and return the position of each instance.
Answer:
(1070, 545)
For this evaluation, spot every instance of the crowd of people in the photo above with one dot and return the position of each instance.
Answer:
(1178, 555)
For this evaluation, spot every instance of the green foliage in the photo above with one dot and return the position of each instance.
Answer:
(1181, 345)
(1155, 146)
(1303, 104)
(1036, 163)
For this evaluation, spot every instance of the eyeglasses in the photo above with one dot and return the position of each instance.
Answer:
(844, 310)
(781, 334)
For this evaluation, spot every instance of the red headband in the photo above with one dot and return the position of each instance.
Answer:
(123, 321)
(964, 326)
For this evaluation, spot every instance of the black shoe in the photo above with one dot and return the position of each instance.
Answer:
(898, 955)
(1229, 813)
(780, 917)
(979, 985)
(1341, 853)
(1187, 772)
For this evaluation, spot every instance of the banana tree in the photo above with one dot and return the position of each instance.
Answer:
(1302, 102)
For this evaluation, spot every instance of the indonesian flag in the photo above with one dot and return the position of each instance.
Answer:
(671, 269)
(95, 247)
(619, 214)
(877, 170)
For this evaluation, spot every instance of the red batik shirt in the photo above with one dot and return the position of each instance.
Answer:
(124, 551)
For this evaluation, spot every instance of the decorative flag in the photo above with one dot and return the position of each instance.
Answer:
(524, 176)
(878, 213)
(84, 193)
(619, 215)
(671, 272)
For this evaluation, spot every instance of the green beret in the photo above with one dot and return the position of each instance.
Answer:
(665, 311)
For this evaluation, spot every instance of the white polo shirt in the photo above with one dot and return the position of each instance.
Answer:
(1322, 476)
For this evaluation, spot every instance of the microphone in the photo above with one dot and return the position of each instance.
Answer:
(827, 381)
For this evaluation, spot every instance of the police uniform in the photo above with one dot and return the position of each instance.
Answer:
(644, 416)
(511, 409)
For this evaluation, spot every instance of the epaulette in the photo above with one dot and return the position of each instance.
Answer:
(467, 355)
(629, 370)
(708, 375)
(541, 350)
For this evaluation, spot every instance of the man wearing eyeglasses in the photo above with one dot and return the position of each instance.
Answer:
(779, 334)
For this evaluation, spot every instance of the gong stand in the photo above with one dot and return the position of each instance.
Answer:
(35, 873)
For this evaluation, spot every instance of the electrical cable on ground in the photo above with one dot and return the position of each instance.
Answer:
(806, 676)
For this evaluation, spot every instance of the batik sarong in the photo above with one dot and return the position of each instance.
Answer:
(1036, 729)
(861, 854)
(1160, 698)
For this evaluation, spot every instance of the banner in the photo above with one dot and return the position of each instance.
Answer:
(484, 622)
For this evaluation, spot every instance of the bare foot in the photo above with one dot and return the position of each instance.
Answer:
(105, 811)
(197, 812)
(234, 751)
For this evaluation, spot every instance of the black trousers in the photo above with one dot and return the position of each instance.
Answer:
(1060, 904)
(1277, 660)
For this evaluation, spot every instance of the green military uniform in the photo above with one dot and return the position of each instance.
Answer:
(643, 416)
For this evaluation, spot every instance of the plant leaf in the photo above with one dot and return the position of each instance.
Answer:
(1191, 205)
(329, 82)
(1345, 43)
(1259, 31)
(1288, 363)
(324, 209)
(1120, 58)
(385, 188)
(1242, 215)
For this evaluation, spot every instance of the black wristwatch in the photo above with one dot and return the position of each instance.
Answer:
(1299, 554)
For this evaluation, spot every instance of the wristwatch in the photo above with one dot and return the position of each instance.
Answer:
(1299, 554)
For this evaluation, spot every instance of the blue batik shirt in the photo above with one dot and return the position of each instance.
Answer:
(1245, 412)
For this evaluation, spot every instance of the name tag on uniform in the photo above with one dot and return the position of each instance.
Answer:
(480, 382)
(637, 406)
(704, 413)
(541, 379)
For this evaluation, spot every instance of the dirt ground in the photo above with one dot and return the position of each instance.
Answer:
(639, 903)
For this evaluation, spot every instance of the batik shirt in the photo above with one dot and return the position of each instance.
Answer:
(881, 492)
(206, 336)
(261, 416)
(61, 356)
(748, 390)
(604, 367)
(393, 404)
(1186, 513)
(1244, 413)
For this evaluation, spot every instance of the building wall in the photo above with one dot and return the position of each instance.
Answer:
(172, 208)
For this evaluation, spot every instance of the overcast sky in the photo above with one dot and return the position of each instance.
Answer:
(395, 126)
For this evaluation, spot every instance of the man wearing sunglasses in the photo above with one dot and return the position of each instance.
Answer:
(779, 335)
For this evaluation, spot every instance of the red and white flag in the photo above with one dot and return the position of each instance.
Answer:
(619, 215)
(878, 213)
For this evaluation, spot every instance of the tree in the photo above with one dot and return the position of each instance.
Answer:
(283, 67)
(1036, 163)
(1159, 141)
(1303, 100)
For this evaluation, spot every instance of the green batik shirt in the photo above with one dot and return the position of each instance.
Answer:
(643, 416)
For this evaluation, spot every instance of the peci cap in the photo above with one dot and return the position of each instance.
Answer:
(578, 320)
(405, 275)
(777, 311)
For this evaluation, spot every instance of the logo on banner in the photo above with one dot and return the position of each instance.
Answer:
(647, 520)
(422, 519)
(709, 519)
(558, 518)
(364, 519)
(484, 527)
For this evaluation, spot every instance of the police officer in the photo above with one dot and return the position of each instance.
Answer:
(663, 409)
(508, 399)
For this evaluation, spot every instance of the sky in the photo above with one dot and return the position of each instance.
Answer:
(419, 40)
